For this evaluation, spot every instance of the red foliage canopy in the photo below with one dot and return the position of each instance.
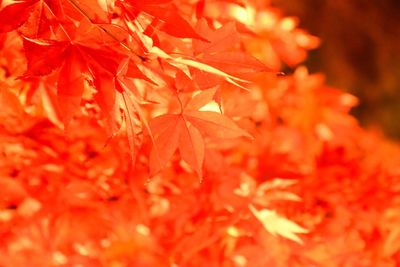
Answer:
(162, 133)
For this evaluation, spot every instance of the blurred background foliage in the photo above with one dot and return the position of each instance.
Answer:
(360, 52)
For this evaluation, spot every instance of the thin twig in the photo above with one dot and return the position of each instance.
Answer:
(106, 31)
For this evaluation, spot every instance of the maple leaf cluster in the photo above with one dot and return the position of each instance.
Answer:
(163, 133)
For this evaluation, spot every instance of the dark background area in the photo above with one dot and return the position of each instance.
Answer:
(360, 52)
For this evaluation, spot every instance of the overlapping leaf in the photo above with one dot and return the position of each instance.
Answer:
(164, 19)
(219, 53)
(187, 131)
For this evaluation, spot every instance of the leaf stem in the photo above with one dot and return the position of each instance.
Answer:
(125, 46)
